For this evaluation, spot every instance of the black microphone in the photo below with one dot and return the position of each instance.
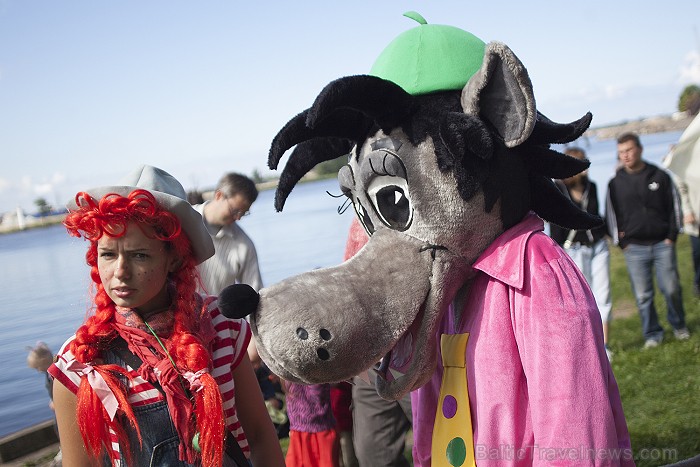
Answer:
(238, 301)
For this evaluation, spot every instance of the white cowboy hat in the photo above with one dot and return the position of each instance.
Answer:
(170, 195)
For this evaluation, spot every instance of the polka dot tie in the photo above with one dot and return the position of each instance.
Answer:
(453, 443)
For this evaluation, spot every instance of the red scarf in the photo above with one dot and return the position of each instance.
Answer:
(157, 366)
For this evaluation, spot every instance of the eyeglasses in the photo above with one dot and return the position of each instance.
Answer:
(235, 212)
(238, 213)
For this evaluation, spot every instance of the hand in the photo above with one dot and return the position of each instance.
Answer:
(668, 241)
(276, 403)
(274, 379)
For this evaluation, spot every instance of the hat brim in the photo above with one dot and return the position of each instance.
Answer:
(190, 220)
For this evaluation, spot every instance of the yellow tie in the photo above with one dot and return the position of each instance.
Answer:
(453, 442)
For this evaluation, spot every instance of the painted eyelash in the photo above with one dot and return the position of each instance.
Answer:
(345, 206)
(346, 203)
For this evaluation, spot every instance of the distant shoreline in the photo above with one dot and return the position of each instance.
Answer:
(644, 126)
(34, 223)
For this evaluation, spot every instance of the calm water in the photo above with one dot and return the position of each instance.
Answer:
(45, 286)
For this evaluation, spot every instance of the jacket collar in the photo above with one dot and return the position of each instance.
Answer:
(504, 259)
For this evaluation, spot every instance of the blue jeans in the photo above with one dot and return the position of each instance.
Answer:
(594, 263)
(695, 248)
(660, 257)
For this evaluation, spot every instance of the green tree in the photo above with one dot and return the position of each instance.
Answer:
(690, 99)
(43, 207)
(256, 176)
(332, 166)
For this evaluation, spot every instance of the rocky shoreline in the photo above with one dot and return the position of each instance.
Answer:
(658, 124)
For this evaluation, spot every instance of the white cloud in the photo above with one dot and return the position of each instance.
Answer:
(614, 91)
(25, 183)
(43, 188)
(57, 178)
(25, 190)
(51, 190)
(596, 93)
(689, 71)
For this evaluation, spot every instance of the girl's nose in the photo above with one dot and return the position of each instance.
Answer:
(121, 267)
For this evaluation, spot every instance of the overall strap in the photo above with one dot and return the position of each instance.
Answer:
(231, 447)
(120, 347)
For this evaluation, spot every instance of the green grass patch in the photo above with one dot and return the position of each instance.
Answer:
(659, 387)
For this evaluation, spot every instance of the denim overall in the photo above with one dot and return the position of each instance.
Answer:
(160, 442)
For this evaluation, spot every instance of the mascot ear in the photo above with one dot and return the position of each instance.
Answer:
(501, 93)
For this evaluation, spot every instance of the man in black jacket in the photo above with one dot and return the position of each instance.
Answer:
(643, 214)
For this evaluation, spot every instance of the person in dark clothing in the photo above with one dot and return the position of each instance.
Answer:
(643, 215)
(588, 248)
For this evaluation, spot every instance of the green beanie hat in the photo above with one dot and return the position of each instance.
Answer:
(430, 58)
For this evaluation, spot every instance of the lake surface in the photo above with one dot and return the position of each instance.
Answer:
(46, 290)
(45, 286)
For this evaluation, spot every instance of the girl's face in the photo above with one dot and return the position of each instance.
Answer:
(134, 270)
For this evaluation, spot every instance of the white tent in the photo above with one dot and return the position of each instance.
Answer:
(684, 161)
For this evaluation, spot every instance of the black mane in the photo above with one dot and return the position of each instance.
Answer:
(346, 113)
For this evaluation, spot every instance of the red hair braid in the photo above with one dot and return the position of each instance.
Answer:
(190, 354)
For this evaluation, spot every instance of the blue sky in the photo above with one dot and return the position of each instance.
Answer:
(91, 89)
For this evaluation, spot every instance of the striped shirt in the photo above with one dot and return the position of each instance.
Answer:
(229, 346)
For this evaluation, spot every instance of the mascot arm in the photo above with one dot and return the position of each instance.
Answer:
(573, 398)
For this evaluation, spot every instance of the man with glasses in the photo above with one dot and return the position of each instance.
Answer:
(235, 259)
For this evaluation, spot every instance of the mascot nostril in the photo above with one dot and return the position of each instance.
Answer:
(323, 354)
(303, 334)
(238, 301)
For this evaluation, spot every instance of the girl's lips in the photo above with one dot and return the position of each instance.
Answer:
(123, 292)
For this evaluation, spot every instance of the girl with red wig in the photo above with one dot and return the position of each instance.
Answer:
(156, 375)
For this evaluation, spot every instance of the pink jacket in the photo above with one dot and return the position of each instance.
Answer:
(541, 389)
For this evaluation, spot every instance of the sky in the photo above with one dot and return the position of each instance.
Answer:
(89, 90)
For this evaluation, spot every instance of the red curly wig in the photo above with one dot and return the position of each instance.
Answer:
(110, 216)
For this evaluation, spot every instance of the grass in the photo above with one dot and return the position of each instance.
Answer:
(659, 387)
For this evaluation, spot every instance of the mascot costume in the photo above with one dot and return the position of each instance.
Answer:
(459, 293)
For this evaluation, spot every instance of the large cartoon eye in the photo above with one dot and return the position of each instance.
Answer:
(390, 198)
(364, 217)
(386, 186)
